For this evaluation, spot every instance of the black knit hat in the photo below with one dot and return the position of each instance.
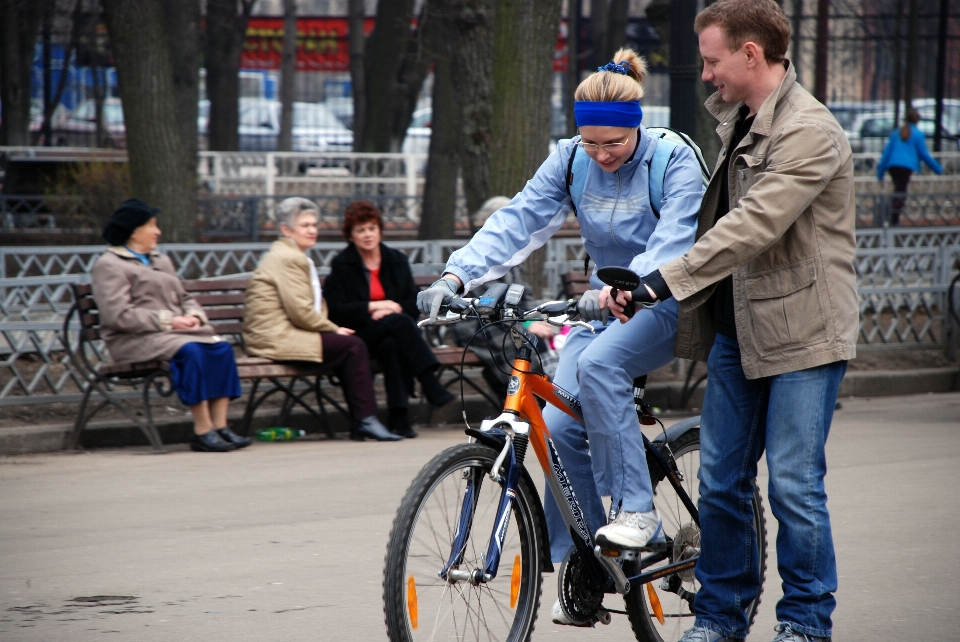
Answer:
(129, 216)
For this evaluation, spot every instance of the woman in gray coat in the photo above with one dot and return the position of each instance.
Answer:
(146, 314)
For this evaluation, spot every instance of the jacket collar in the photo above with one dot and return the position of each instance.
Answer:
(350, 254)
(123, 252)
(763, 121)
(286, 243)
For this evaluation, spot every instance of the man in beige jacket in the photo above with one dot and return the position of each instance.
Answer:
(768, 298)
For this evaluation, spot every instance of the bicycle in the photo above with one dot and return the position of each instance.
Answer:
(474, 508)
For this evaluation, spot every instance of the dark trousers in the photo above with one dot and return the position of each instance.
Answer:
(348, 357)
(395, 341)
(901, 179)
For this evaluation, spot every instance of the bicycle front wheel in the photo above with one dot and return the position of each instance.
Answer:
(418, 603)
(683, 535)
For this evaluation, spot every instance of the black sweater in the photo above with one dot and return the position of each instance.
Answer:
(347, 288)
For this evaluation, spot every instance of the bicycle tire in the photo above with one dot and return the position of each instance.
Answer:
(420, 544)
(680, 527)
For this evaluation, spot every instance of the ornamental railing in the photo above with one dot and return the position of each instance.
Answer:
(903, 280)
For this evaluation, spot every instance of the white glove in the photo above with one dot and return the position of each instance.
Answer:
(440, 292)
(589, 307)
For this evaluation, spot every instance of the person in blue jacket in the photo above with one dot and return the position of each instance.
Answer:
(901, 157)
(605, 456)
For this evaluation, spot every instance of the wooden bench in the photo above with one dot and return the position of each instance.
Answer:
(575, 283)
(222, 301)
(454, 359)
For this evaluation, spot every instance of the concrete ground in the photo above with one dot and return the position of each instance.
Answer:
(286, 541)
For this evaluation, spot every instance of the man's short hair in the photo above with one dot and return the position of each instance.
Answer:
(759, 21)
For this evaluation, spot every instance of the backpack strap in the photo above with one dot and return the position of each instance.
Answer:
(576, 177)
(658, 171)
(577, 167)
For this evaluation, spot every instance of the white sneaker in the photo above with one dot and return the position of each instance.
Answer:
(632, 531)
(558, 616)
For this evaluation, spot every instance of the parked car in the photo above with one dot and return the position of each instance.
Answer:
(417, 140)
(315, 128)
(869, 132)
(342, 108)
(78, 127)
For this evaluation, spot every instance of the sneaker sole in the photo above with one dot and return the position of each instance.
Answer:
(653, 547)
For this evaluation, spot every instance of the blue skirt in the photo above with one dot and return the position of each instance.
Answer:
(202, 371)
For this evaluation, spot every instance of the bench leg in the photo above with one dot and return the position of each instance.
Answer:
(155, 380)
(244, 427)
(110, 398)
(323, 409)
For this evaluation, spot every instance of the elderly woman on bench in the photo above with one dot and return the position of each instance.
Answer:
(146, 315)
(286, 318)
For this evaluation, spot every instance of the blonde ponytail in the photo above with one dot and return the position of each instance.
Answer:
(615, 86)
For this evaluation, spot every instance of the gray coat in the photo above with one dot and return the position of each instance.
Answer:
(788, 240)
(137, 304)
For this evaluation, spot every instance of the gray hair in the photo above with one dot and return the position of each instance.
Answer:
(289, 209)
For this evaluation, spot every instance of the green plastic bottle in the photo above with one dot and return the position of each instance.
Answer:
(279, 434)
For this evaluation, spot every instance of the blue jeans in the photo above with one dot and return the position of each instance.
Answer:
(788, 416)
(605, 455)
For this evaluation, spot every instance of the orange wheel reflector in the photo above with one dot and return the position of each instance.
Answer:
(654, 602)
(412, 602)
(515, 582)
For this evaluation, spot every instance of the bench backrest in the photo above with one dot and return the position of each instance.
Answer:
(575, 283)
(222, 301)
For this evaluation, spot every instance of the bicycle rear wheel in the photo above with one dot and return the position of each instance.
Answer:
(684, 536)
(420, 605)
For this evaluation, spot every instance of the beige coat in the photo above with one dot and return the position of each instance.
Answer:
(137, 304)
(279, 320)
(788, 240)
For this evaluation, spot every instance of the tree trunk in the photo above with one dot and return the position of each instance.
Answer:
(608, 27)
(19, 25)
(287, 77)
(159, 164)
(413, 71)
(184, 42)
(226, 30)
(469, 25)
(574, 13)
(358, 75)
(443, 164)
(383, 60)
(526, 34)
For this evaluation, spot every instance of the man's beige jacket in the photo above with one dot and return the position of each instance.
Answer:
(788, 240)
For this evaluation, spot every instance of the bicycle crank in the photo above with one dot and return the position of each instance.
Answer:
(581, 603)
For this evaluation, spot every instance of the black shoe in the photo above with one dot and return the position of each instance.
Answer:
(233, 438)
(399, 424)
(210, 442)
(433, 390)
(371, 427)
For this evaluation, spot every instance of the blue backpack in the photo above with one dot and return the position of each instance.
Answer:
(670, 139)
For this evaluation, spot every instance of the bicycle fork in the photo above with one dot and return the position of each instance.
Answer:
(511, 460)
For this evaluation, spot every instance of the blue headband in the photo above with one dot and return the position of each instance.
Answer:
(607, 113)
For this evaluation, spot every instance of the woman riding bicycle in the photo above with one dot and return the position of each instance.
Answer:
(619, 228)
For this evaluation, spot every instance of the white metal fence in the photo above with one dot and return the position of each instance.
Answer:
(904, 276)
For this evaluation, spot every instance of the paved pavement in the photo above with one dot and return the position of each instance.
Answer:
(285, 541)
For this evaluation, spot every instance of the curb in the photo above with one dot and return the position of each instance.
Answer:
(111, 434)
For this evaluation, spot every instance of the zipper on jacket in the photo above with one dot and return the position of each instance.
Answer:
(613, 213)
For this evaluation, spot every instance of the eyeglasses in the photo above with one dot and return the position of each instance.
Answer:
(607, 147)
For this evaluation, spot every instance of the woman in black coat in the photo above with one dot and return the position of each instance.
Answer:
(370, 288)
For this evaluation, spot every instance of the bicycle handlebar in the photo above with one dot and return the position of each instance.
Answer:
(558, 313)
